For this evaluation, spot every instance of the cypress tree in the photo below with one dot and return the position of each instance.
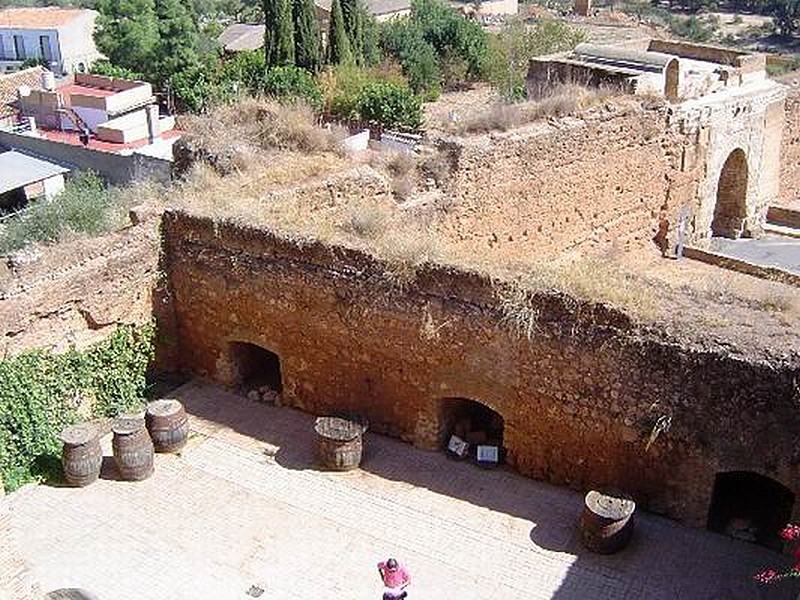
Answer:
(306, 35)
(353, 26)
(338, 42)
(278, 33)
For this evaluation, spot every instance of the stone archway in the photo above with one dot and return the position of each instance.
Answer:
(751, 507)
(255, 367)
(730, 209)
(472, 421)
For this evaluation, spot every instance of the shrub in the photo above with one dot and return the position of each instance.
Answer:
(390, 105)
(432, 34)
(342, 86)
(292, 84)
(85, 206)
(109, 69)
(247, 69)
(197, 88)
(40, 392)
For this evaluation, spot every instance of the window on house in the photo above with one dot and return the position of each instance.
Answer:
(2, 48)
(45, 51)
(19, 47)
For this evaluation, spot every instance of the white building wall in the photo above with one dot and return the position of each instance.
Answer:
(71, 44)
(32, 49)
(77, 42)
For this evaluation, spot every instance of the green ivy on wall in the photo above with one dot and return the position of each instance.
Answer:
(40, 393)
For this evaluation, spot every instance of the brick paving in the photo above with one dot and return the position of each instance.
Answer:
(243, 506)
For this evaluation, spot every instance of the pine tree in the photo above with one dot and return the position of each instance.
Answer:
(179, 38)
(338, 42)
(127, 32)
(353, 26)
(278, 33)
(306, 35)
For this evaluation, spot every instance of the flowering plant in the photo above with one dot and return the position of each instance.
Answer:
(790, 533)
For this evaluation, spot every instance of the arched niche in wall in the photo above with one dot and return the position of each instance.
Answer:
(750, 507)
(730, 209)
(255, 366)
(470, 420)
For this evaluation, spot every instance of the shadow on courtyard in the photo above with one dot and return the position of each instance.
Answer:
(662, 561)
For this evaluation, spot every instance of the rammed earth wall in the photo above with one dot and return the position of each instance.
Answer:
(579, 398)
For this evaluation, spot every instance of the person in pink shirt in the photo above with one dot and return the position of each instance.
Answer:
(395, 579)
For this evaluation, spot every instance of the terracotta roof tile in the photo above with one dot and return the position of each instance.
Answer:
(39, 18)
(10, 83)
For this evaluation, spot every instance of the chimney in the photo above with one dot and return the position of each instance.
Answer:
(48, 81)
(152, 122)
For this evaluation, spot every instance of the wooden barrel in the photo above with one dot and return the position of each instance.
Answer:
(339, 445)
(607, 522)
(133, 449)
(81, 455)
(168, 425)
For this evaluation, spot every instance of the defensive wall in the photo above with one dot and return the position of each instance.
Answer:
(579, 399)
(624, 176)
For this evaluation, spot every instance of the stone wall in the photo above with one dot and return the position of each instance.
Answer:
(76, 293)
(579, 398)
(620, 176)
(790, 148)
(571, 185)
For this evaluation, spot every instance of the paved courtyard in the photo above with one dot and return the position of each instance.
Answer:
(243, 506)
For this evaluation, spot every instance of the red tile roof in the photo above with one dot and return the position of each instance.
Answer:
(11, 82)
(39, 18)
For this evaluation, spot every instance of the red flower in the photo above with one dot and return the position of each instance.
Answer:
(791, 532)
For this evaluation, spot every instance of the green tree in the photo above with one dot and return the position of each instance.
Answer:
(279, 33)
(353, 26)
(178, 42)
(370, 38)
(785, 14)
(127, 32)
(307, 43)
(104, 67)
(339, 51)
(512, 48)
(432, 34)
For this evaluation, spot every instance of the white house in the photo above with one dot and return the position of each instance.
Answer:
(60, 37)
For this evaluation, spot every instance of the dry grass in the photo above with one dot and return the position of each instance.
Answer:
(769, 297)
(562, 101)
(593, 280)
(230, 138)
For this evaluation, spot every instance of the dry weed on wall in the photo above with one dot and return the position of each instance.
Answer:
(586, 279)
(563, 100)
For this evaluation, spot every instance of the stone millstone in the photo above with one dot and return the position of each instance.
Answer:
(77, 435)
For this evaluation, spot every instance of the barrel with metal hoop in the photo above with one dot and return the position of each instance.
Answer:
(81, 455)
(168, 425)
(133, 449)
(607, 521)
(339, 441)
